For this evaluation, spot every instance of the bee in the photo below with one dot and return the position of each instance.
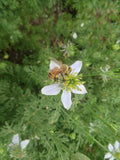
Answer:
(61, 70)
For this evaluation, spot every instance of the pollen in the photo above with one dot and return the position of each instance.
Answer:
(71, 81)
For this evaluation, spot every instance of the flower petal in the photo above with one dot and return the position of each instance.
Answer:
(15, 139)
(52, 89)
(117, 144)
(24, 143)
(110, 147)
(66, 99)
(53, 64)
(76, 67)
(81, 90)
(107, 155)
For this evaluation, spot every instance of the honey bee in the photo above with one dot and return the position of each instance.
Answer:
(62, 70)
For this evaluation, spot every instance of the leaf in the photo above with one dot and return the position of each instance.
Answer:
(54, 118)
(79, 156)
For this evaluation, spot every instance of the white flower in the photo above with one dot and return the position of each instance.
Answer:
(68, 49)
(114, 151)
(104, 74)
(107, 67)
(74, 35)
(92, 128)
(118, 41)
(11, 37)
(71, 83)
(16, 144)
(82, 24)
(106, 58)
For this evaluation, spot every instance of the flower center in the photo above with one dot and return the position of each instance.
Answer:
(70, 82)
(15, 149)
(118, 155)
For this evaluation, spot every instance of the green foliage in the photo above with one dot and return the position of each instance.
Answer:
(79, 156)
(31, 32)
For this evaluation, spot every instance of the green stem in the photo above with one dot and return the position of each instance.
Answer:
(91, 75)
(91, 137)
(114, 129)
(96, 141)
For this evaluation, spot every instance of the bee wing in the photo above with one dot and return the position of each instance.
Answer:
(54, 63)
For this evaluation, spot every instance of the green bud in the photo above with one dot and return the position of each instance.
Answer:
(6, 56)
(2, 65)
(116, 47)
(1, 150)
(73, 136)
(46, 62)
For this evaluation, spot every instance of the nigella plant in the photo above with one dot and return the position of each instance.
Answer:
(16, 147)
(66, 79)
(104, 74)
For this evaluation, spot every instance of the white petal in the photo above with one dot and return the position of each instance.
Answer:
(53, 64)
(110, 147)
(81, 91)
(15, 139)
(66, 99)
(76, 67)
(24, 143)
(117, 144)
(107, 155)
(52, 89)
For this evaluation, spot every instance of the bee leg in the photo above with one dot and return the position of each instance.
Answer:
(63, 77)
(55, 79)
